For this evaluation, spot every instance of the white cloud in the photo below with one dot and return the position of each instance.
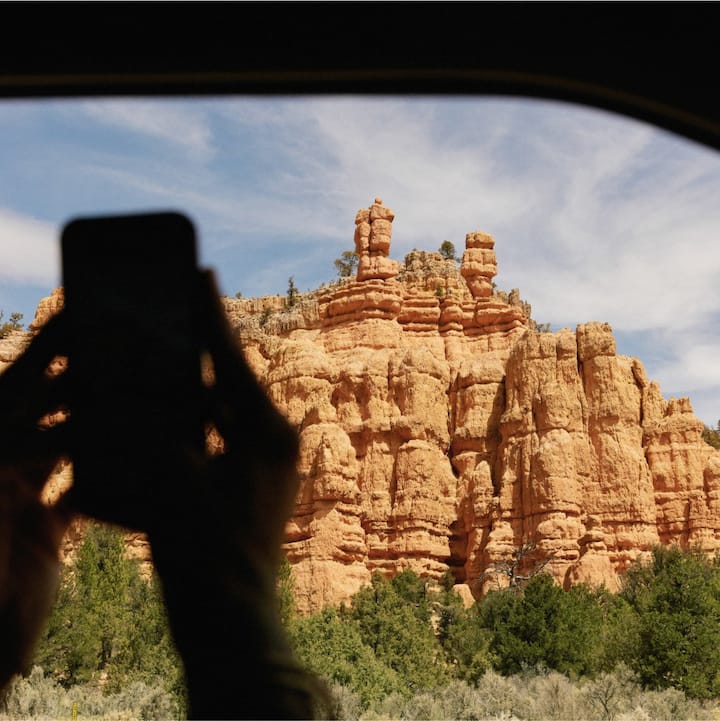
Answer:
(695, 367)
(631, 238)
(339, 155)
(29, 249)
(693, 372)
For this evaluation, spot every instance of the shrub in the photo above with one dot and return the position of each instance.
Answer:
(346, 704)
(394, 620)
(447, 250)
(677, 599)
(671, 704)
(38, 696)
(548, 696)
(464, 640)
(711, 436)
(292, 293)
(611, 693)
(542, 626)
(347, 262)
(109, 623)
(498, 696)
(10, 325)
(333, 649)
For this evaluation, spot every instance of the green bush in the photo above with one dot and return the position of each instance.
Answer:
(677, 598)
(533, 651)
(292, 294)
(394, 619)
(331, 647)
(463, 638)
(541, 626)
(711, 436)
(401, 650)
(447, 250)
(10, 325)
(108, 626)
(347, 262)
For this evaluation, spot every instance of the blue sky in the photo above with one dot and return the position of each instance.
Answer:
(595, 216)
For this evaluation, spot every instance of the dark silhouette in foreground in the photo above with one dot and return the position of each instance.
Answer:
(216, 546)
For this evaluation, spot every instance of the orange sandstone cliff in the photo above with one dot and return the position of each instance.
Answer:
(440, 430)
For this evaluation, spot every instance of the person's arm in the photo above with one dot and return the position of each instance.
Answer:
(30, 531)
(217, 551)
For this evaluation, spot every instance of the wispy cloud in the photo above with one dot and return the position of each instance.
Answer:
(29, 251)
(175, 123)
(695, 368)
(631, 237)
(595, 217)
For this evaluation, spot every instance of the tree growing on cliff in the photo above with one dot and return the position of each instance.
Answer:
(347, 262)
(447, 250)
(10, 325)
(711, 436)
(292, 293)
(524, 563)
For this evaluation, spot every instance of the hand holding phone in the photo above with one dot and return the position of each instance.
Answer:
(138, 314)
(133, 360)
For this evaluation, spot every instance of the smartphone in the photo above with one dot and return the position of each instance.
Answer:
(134, 366)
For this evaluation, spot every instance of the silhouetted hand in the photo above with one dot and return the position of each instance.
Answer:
(216, 544)
(217, 550)
(30, 531)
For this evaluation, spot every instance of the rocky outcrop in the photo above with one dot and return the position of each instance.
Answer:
(373, 232)
(439, 430)
(47, 307)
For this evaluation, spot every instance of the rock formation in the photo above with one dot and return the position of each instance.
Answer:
(440, 430)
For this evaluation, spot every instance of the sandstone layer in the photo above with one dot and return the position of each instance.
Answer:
(441, 431)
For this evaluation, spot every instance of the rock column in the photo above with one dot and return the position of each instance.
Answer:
(479, 264)
(373, 231)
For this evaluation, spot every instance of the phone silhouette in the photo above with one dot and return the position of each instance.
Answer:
(134, 363)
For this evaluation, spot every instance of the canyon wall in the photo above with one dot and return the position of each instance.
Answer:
(440, 430)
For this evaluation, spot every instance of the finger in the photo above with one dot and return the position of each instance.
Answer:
(242, 410)
(228, 358)
(44, 446)
(49, 343)
(250, 435)
(20, 416)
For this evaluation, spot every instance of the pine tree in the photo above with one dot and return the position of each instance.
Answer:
(447, 250)
(292, 293)
(109, 625)
(347, 262)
